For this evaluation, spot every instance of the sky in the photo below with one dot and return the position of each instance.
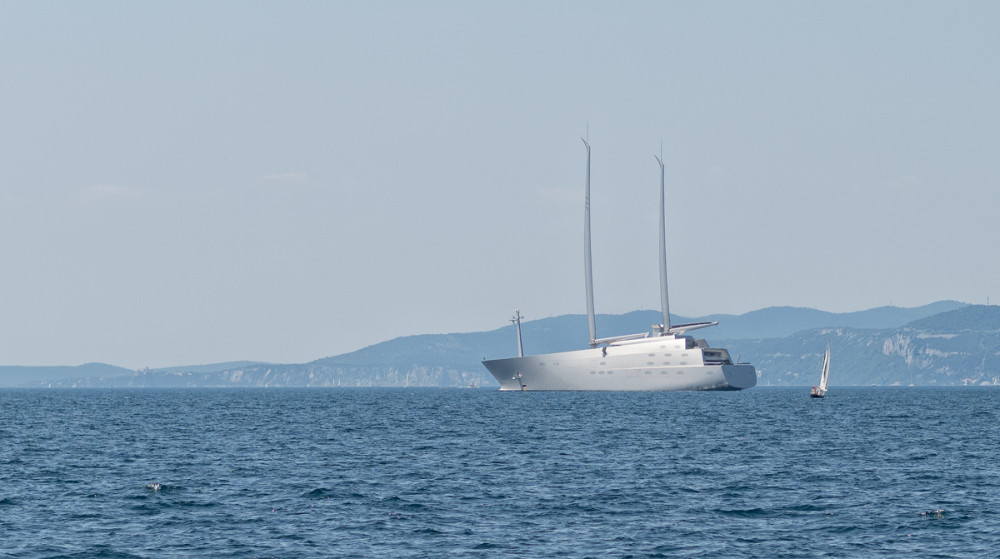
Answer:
(199, 182)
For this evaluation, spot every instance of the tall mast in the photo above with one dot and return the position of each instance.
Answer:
(517, 322)
(588, 270)
(664, 302)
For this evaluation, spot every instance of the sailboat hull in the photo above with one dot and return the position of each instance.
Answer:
(649, 366)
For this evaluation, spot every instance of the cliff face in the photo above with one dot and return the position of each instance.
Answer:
(960, 347)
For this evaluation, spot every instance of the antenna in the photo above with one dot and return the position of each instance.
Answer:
(664, 302)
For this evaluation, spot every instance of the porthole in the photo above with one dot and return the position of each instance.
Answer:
(650, 363)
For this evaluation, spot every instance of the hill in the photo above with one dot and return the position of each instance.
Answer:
(959, 347)
(945, 343)
(23, 377)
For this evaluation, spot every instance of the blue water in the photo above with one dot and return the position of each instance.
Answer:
(768, 472)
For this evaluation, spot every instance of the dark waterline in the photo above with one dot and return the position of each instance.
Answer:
(769, 472)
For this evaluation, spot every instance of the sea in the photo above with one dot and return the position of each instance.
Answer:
(478, 473)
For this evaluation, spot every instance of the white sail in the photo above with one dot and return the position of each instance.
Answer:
(825, 377)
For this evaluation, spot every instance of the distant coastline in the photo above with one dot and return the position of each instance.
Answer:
(946, 343)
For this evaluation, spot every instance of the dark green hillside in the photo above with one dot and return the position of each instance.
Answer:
(447, 350)
(778, 322)
(973, 317)
(959, 347)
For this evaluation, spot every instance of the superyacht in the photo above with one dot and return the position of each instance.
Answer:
(666, 358)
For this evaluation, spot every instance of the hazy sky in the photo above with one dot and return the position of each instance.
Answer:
(198, 182)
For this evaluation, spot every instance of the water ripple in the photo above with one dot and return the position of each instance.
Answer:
(481, 474)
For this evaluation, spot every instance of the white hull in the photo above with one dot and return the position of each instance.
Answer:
(651, 364)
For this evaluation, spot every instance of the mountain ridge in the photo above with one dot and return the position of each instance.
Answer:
(779, 341)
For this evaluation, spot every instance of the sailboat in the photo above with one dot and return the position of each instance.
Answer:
(824, 379)
(666, 358)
